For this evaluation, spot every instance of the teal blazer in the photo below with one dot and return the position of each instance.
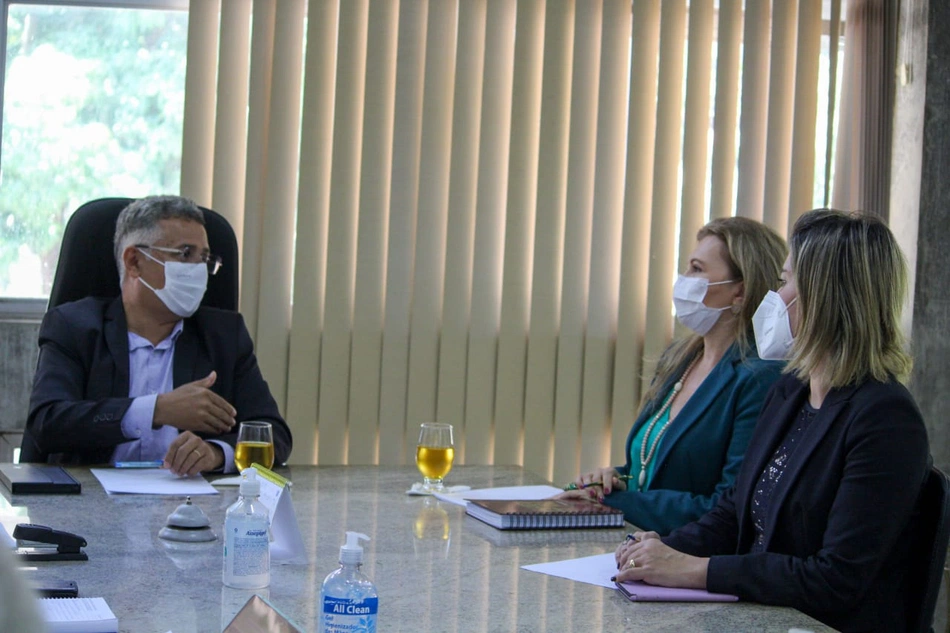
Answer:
(699, 457)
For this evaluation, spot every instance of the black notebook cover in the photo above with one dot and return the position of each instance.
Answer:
(31, 479)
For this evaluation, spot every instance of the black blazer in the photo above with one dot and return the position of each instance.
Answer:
(840, 519)
(81, 387)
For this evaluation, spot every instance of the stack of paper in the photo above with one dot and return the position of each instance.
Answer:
(519, 493)
(151, 481)
(78, 615)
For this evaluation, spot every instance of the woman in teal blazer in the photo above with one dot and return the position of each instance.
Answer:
(700, 454)
(686, 445)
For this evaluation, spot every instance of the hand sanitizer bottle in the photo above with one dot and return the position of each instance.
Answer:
(246, 538)
(348, 599)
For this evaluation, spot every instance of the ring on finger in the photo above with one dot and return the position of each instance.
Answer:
(631, 564)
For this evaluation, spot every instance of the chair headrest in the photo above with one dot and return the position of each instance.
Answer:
(87, 266)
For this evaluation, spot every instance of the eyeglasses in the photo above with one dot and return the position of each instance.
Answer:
(187, 255)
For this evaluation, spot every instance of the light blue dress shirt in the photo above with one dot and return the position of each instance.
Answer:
(151, 374)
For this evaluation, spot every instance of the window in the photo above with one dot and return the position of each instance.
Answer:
(93, 98)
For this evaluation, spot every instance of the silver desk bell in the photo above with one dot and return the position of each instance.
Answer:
(187, 524)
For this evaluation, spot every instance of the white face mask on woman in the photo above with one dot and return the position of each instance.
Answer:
(773, 332)
(185, 285)
(688, 295)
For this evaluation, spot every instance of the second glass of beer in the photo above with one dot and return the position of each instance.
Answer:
(255, 445)
(435, 452)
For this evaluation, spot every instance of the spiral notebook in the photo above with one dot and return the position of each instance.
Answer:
(518, 538)
(546, 514)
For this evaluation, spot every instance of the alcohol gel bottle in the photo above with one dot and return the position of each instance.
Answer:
(348, 599)
(246, 538)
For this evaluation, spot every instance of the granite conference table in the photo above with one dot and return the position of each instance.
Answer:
(435, 568)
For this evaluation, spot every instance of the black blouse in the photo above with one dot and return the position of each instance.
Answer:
(774, 470)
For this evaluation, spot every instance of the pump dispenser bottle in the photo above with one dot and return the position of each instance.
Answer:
(246, 538)
(348, 599)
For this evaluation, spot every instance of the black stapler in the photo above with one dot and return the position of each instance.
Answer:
(39, 542)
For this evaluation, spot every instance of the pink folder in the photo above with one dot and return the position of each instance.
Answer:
(642, 592)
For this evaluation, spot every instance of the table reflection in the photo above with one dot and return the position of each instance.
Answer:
(431, 530)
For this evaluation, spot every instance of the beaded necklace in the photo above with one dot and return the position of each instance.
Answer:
(646, 458)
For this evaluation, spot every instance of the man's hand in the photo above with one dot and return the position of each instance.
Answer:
(194, 407)
(190, 455)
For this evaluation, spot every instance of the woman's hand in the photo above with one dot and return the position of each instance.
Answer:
(606, 480)
(645, 557)
(622, 555)
(593, 493)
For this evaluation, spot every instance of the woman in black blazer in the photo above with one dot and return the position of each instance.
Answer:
(820, 516)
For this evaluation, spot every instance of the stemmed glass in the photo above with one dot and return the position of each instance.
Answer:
(435, 452)
(255, 445)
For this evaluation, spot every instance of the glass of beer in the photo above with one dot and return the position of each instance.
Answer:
(434, 454)
(255, 445)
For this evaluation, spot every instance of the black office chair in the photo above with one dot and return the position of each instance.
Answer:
(928, 552)
(87, 268)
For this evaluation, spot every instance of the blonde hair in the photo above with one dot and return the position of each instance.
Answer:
(754, 254)
(851, 278)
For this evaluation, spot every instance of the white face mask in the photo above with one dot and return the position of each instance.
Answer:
(773, 332)
(688, 295)
(185, 285)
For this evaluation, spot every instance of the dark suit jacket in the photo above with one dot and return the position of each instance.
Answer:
(702, 450)
(839, 522)
(81, 387)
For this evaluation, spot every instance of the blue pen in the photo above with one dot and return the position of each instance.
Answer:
(151, 464)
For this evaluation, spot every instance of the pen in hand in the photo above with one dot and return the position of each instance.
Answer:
(574, 486)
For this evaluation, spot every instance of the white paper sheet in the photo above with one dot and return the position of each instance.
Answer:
(594, 570)
(419, 489)
(519, 493)
(151, 481)
(228, 481)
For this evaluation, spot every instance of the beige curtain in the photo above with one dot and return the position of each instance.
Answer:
(472, 211)
(863, 157)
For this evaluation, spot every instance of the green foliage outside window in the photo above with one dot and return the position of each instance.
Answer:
(92, 107)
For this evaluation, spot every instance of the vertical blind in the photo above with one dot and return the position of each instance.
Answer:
(472, 211)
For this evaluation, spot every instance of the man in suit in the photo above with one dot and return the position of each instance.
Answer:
(149, 375)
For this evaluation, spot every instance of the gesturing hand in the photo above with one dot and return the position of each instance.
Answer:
(194, 407)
